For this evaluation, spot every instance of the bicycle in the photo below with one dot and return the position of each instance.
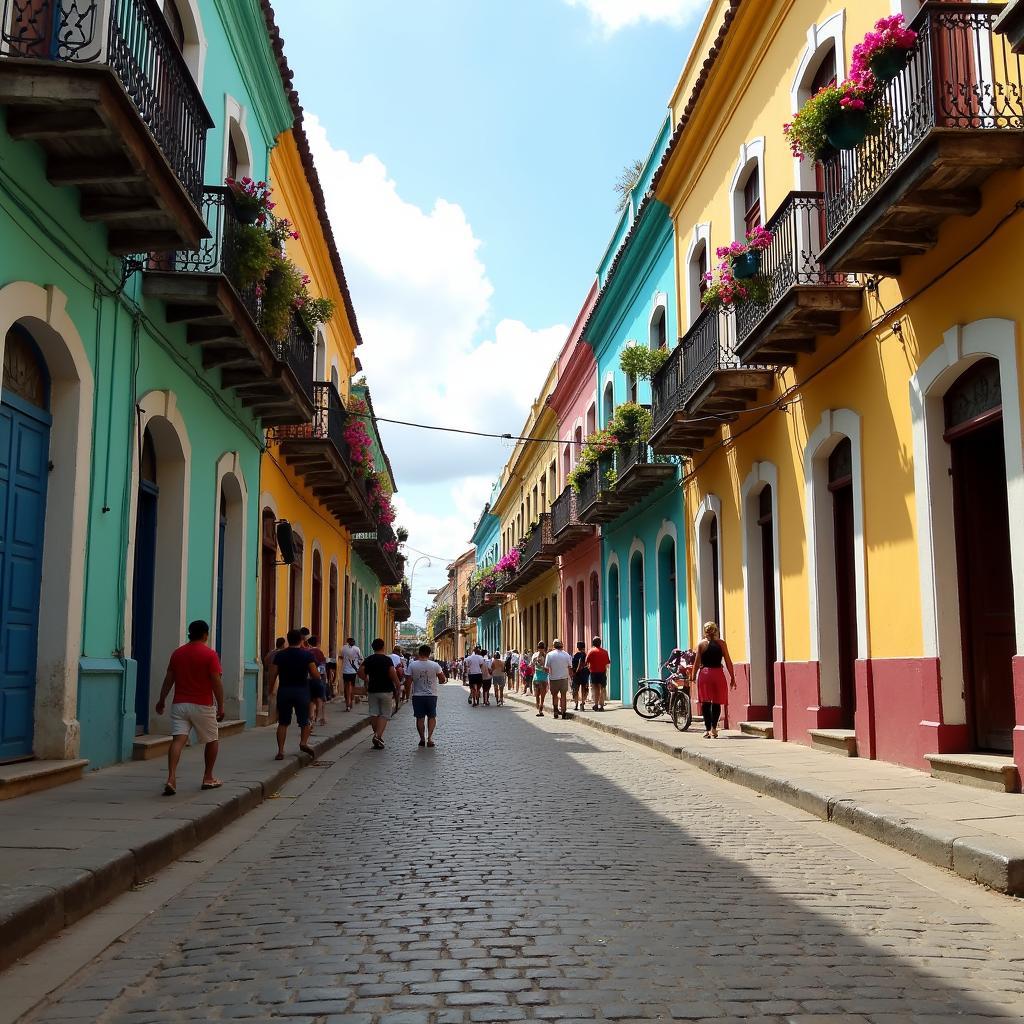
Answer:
(657, 697)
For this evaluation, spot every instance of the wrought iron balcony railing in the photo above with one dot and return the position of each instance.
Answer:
(700, 352)
(132, 38)
(563, 511)
(296, 351)
(960, 77)
(594, 482)
(792, 260)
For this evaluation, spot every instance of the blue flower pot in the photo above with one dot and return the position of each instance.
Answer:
(848, 129)
(746, 266)
(887, 64)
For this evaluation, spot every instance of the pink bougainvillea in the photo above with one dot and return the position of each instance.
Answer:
(888, 34)
(360, 447)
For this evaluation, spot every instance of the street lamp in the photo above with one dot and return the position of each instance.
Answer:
(412, 571)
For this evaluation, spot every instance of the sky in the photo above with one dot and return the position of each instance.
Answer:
(468, 150)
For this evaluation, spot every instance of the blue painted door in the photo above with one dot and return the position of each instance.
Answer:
(142, 598)
(24, 465)
(221, 537)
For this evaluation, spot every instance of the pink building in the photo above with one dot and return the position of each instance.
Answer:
(574, 402)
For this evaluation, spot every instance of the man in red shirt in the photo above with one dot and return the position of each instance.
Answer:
(194, 673)
(598, 660)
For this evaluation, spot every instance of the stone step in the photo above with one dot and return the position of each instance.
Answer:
(231, 727)
(766, 730)
(983, 771)
(35, 775)
(150, 746)
(835, 741)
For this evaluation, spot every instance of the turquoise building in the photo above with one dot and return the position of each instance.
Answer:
(643, 553)
(136, 380)
(486, 539)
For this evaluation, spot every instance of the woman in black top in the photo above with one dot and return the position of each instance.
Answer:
(712, 691)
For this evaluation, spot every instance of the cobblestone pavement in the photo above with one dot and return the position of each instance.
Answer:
(521, 871)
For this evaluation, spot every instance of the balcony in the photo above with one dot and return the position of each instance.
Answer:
(400, 602)
(805, 300)
(318, 453)
(954, 116)
(598, 500)
(701, 386)
(538, 555)
(639, 472)
(482, 601)
(444, 625)
(567, 529)
(202, 289)
(379, 550)
(102, 88)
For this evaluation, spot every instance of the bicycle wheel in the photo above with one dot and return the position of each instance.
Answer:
(648, 703)
(682, 712)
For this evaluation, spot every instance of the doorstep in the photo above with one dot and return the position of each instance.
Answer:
(33, 776)
(766, 730)
(150, 746)
(885, 802)
(996, 772)
(834, 741)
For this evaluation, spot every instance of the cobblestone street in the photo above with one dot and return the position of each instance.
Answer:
(528, 870)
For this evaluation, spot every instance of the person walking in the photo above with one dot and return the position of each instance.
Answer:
(598, 660)
(381, 678)
(540, 677)
(526, 672)
(558, 666)
(498, 678)
(194, 673)
(485, 681)
(712, 691)
(279, 645)
(294, 669)
(425, 675)
(580, 677)
(474, 676)
(318, 687)
(351, 659)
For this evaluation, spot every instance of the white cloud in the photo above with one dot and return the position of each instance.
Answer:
(613, 15)
(422, 296)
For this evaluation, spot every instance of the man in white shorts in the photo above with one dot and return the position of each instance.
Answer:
(194, 673)
(559, 666)
(425, 675)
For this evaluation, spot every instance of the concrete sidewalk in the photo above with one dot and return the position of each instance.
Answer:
(67, 851)
(976, 833)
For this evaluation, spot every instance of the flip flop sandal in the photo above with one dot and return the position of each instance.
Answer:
(169, 790)
(430, 743)
(212, 785)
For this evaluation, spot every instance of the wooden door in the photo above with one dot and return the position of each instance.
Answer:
(841, 485)
(765, 524)
(268, 584)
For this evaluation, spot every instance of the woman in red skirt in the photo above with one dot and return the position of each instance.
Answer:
(712, 691)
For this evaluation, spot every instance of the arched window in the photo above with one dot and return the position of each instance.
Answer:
(581, 616)
(752, 200)
(609, 402)
(577, 446)
(595, 605)
(591, 420)
(321, 355)
(268, 582)
(317, 596)
(567, 459)
(570, 620)
(295, 586)
(658, 331)
(748, 188)
(332, 611)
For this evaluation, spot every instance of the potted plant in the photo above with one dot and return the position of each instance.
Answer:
(279, 292)
(725, 289)
(251, 199)
(641, 362)
(315, 311)
(631, 424)
(883, 53)
(834, 118)
(253, 256)
(744, 258)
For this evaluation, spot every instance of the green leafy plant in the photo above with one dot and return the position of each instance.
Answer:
(280, 290)
(254, 255)
(316, 311)
(641, 362)
(601, 442)
(631, 423)
(402, 534)
(626, 182)
(807, 133)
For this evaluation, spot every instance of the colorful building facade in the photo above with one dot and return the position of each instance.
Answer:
(486, 541)
(855, 436)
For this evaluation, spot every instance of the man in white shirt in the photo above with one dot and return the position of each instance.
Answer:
(485, 683)
(559, 666)
(425, 674)
(475, 675)
(351, 659)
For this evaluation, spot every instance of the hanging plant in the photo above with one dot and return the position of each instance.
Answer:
(817, 131)
(253, 256)
(251, 200)
(315, 312)
(641, 362)
(402, 534)
(279, 291)
(631, 423)
(601, 442)
(883, 53)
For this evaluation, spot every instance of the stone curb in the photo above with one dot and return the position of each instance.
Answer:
(994, 861)
(53, 898)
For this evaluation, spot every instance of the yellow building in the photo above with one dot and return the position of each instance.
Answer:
(855, 433)
(529, 484)
(308, 479)
(459, 573)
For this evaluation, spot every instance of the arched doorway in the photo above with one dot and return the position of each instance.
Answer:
(614, 639)
(143, 588)
(268, 582)
(570, 619)
(230, 590)
(766, 532)
(295, 586)
(974, 432)
(332, 611)
(317, 596)
(24, 470)
(668, 616)
(595, 607)
(637, 625)
(581, 617)
(222, 529)
(840, 485)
